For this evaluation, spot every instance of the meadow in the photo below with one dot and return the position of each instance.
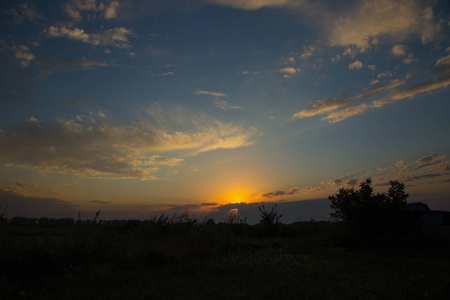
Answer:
(183, 258)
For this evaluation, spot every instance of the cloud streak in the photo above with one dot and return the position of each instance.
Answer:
(330, 105)
(115, 37)
(291, 191)
(252, 4)
(321, 107)
(69, 65)
(224, 105)
(215, 94)
(421, 87)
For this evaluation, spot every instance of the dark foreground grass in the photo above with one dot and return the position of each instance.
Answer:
(223, 261)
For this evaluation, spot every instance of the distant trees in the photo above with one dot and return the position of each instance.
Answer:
(364, 207)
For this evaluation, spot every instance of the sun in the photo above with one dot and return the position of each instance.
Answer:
(234, 196)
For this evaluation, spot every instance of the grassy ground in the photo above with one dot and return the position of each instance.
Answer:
(184, 261)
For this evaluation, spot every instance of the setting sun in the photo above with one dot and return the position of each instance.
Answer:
(236, 196)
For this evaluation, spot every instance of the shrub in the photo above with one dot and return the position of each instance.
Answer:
(270, 219)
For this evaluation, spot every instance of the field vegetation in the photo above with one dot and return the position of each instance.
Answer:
(179, 257)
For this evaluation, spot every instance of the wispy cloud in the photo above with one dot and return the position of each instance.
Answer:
(415, 89)
(291, 191)
(348, 180)
(69, 65)
(434, 167)
(171, 161)
(320, 107)
(215, 94)
(308, 51)
(400, 163)
(222, 104)
(250, 72)
(346, 113)
(418, 177)
(385, 74)
(22, 53)
(115, 37)
(251, 4)
(443, 62)
(24, 11)
(294, 191)
(431, 167)
(76, 8)
(95, 148)
(434, 161)
(328, 105)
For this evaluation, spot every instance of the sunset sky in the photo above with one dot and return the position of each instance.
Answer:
(139, 107)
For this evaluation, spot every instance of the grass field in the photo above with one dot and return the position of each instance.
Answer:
(145, 260)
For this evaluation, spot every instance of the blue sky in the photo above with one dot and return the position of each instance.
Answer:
(139, 107)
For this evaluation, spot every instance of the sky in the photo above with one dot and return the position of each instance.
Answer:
(139, 108)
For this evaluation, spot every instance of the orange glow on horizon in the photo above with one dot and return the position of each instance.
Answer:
(234, 196)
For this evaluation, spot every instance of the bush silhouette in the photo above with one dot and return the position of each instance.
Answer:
(270, 219)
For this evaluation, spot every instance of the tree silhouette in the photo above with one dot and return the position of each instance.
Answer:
(365, 208)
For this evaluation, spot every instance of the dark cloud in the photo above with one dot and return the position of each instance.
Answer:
(336, 182)
(26, 185)
(100, 202)
(22, 12)
(292, 191)
(431, 160)
(48, 68)
(25, 206)
(351, 182)
(418, 177)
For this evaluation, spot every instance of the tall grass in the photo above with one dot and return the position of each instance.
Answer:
(177, 256)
